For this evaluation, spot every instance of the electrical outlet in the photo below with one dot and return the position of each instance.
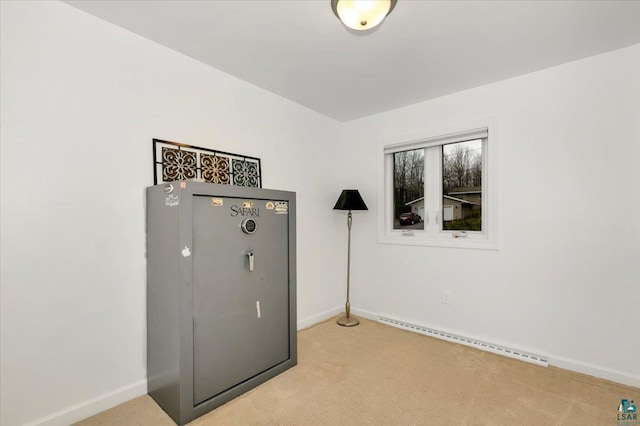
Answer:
(446, 297)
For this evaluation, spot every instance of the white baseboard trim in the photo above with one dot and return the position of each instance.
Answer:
(365, 314)
(595, 371)
(93, 406)
(108, 400)
(555, 361)
(321, 317)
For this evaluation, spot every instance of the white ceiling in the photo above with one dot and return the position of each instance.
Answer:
(424, 49)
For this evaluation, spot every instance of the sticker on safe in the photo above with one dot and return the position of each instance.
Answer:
(217, 202)
(171, 200)
(247, 204)
(282, 207)
(270, 205)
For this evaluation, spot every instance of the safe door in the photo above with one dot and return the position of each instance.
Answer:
(240, 291)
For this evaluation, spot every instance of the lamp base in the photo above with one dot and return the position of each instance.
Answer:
(347, 321)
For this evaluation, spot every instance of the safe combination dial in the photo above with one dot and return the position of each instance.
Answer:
(248, 226)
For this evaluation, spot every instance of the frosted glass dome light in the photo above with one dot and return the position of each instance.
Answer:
(362, 15)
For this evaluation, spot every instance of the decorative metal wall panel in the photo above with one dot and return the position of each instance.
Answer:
(178, 164)
(245, 173)
(176, 161)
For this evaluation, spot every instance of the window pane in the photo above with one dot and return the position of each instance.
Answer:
(462, 186)
(408, 189)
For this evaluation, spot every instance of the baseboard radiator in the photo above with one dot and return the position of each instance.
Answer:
(485, 346)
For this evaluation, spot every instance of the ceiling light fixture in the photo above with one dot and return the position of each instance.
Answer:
(362, 14)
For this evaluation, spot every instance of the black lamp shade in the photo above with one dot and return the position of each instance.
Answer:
(350, 199)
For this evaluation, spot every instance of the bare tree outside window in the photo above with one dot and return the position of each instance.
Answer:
(408, 189)
(462, 186)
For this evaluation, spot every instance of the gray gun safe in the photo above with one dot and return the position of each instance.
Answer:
(221, 293)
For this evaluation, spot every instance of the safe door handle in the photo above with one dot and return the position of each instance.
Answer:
(251, 256)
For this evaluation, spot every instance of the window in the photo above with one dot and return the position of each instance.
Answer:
(462, 186)
(408, 189)
(439, 189)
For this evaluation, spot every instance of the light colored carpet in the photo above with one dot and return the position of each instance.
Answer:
(374, 374)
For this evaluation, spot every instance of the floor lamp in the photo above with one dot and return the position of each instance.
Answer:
(350, 199)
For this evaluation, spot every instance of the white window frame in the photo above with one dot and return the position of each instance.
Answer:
(433, 235)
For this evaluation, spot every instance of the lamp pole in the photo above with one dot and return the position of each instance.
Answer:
(348, 320)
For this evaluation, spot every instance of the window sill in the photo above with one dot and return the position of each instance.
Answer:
(445, 241)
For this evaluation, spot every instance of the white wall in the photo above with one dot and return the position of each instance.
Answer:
(565, 281)
(81, 102)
